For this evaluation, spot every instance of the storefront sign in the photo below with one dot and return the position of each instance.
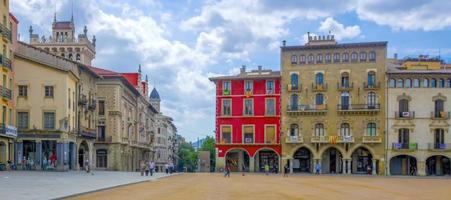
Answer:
(10, 131)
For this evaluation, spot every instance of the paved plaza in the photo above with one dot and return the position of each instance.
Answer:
(50, 185)
(260, 187)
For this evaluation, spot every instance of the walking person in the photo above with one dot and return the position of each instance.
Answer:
(285, 170)
(266, 169)
(166, 168)
(152, 168)
(243, 169)
(87, 168)
(227, 171)
(317, 168)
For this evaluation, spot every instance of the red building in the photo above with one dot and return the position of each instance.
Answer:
(248, 120)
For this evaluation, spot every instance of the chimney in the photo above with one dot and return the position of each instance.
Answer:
(243, 69)
(259, 68)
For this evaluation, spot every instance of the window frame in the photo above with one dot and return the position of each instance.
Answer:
(243, 134)
(50, 93)
(223, 113)
(23, 91)
(244, 107)
(44, 126)
(275, 133)
(19, 122)
(221, 128)
(273, 106)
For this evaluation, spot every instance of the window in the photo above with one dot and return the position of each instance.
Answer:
(345, 129)
(371, 79)
(270, 107)
(77, 57)
(408, 83)
(449, 83)
(416, 83)
(226, 107)
(344, 100)
(23, 91)
(226, 134)
(354, 57)
(270, 134)
(294, 81)
(319, 129)
(226, 88)
(302, 59)
(248, 107)
(434, 83)
(403, 106)
(294, 130)
(392, 83)
(425, 83)
(319, 79)
(269, 87)
(311, 59)
(441, 83)
(345, 80)
(439, 138)
(403, 136)
(101, 107)
(294, 101)
(248, 86)
(400, 83)
(336, 57)
(248, 134)
(294, 59)
(345, 57)
(319, 58)
(372, 56)
(362, 56)
(328, 58)
(371, 129)
(49, 120)
(371, 100)
(319, 99)
(48, 91)
(22, 120)
(439, 108)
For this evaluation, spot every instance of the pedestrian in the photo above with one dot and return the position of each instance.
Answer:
(285, 170)
(151, 168)
(243, 169)
(87, 166)
(368, 169)
(266, 169)
(317, 168)
(227, 171)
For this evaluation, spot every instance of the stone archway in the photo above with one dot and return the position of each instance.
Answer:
(362, 161)
(266, 156)
(331, 161)
(83, 154)
(236, 159)
(438, 165)
(302, 160)
(3, 152)
(403, 165)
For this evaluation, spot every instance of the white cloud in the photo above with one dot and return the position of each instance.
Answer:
(427, 15)
(39, 12)
(339, 30)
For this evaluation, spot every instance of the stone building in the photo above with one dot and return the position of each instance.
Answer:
(64, 42)
(8, 132)
(418, 117)
(333, 106)
(125, 131)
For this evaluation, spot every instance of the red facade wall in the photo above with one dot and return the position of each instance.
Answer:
(237, 120)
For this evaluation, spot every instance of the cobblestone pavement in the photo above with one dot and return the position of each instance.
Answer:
(50, 185)
(260, 187)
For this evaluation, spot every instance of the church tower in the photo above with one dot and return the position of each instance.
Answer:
(155, 99)
(63, 42)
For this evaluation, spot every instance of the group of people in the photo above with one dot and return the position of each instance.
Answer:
(147, 167)
(169, 168)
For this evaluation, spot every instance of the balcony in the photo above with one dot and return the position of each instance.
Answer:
(405, 146)
(5, 62)
(405, 115)
(341, 139)
(319, 139)
(108, 139)
(92, 104)
(82, 100)
(439, 146)
(226, 92)
(6, 93)
(319, 87)
(89, 133)
(307, 109)
(374, 86)
(440, 115)
(371, 139)
(294, 88)
(358, 108)
(248, 93)
(342, 88)
(294, 139)
(6, 33)
(8, 131)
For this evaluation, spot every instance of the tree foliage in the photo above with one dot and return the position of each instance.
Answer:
(209, 145)
(188, 158)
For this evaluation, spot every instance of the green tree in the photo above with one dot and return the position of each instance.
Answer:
(209, 145)
(188, 158)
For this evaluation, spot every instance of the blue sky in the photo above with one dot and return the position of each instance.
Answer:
(180, 43)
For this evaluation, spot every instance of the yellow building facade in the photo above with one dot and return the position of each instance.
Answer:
(7, 130)
(333, 106)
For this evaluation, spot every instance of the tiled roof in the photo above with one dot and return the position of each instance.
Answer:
(104, 72)
(132, 78)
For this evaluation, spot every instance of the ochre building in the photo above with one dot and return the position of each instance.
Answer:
(333, 106)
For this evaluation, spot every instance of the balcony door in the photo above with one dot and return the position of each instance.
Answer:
(294, 102)
(403, 136)
(403, 106)
(438, 108)
(439, 137)
(345, 101)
